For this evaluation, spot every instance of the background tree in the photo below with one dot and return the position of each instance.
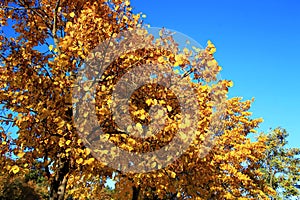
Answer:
(31, 186)
(281, 165)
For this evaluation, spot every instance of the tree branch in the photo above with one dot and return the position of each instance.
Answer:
(54, 27)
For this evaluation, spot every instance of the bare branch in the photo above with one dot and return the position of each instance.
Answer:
(17, 8)
(7, 119)
(54, 27)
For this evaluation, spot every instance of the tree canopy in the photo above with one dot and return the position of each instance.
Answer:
(281, 165)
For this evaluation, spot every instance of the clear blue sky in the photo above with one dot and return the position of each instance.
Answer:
(258, 46)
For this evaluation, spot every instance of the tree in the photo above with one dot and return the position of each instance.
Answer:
(37, 67)
(32, 186)
(41, 96)
(281, 165)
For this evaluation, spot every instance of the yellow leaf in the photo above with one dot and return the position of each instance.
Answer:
(68, 24)
(139, 126)
(160, 113)
(179, 59)
(210, 63)
(87, 151)
(127, 3)
(153, 164)
(129, 128)
(142, 117)
(69, 126)
(61, 124)
(89, 161)
(109, 102)
(50, 47)
(21, 154)
(61, 142)
(161, 59)
(86, 88)
(185, 50)
(173, 174)
(131, 141)
(169, 108)
(210, 44)
(85, 114)
(144, 16)
(72, 14)
(68, 142)
(161, 32)
(148, 102)
(79, 161)
(15, 169)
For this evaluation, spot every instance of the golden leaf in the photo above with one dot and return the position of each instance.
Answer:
(161, 59)
(72, 14)
(21, 154)
(139, 126)
(79, 161)
(127, 3)
(15, 169)
(149, 102)
(61, 124)
(87, 151)
(61, 142)
(68, 142)
(173, 174)
(69, 126)
(153, 164)
(89, 161)
(85, 114)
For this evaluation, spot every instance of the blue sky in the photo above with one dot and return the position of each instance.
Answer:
(258, 46)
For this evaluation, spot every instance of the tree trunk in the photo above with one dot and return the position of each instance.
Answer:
(59, 181)
(135, 193)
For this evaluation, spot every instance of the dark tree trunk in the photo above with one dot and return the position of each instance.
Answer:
(135, 193)
(59, 181)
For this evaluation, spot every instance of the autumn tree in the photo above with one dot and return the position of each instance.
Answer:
(38, 60)
(66, 60)
(281, 165)
(32, 185)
